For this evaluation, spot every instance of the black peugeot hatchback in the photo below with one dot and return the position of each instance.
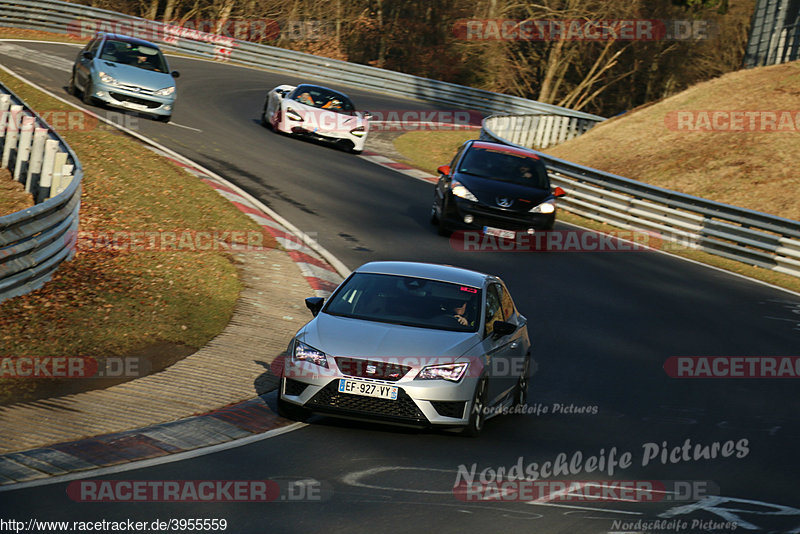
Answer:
(495, 188)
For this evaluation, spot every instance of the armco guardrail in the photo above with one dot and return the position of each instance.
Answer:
(62, 17)
(34, 241)
(539, 130)
(686, 221)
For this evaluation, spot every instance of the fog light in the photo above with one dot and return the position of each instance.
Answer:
(468, 219)
(100, 94)
(531, 231)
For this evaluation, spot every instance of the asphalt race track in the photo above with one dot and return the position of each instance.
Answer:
(602, 325)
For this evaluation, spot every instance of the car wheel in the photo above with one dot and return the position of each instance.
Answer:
(87, 94)
(162, 118)
(71, 88)
(434, 216)
(264, 121)
(477, 416)
(443, 230)
(276, 119)
(521, 391)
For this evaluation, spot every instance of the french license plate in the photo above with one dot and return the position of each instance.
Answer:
(497, 232)
(367, 389)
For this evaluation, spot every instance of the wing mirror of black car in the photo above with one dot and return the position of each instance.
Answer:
(175, 74)
(444, 169)
(558, 192)
(314, 304)
(86, 55)
(502, 328)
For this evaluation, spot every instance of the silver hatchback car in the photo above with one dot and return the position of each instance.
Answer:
(127, 73)
(411, 344)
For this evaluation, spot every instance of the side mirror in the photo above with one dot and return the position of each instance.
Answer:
(314, 304)
(175, 74)
(502, 328)
(444, 169)
(87, 55)
(367, 115)
(558, 192)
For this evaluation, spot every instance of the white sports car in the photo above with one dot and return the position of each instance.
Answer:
(318, 112)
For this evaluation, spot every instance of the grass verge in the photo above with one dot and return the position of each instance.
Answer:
(126, 300)
(428, 150)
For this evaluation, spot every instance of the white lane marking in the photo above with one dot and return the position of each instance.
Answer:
(182, 126)
(34, 56)
(354, 479)
(590, 508)
(142, 464)
(80, 45)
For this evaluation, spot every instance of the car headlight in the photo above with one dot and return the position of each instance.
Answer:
(448, 371)
(359, 131)
(107, 78)
(306, 353)
(165, 91)
(461, 191)
(548, 206)
(293, 115)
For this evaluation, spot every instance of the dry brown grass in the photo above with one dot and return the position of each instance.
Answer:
(755, 170)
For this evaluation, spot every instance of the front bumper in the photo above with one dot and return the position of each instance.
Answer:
(123, 98)
(331, 136)
(456, 209)
(420, 403)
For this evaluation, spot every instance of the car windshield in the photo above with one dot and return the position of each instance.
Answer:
(505, 166)
(322, 98)
(408, 301)
(134, 54)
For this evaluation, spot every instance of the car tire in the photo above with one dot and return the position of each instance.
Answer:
(443, 230)
(87, 94)
(71, 88)
(162, 118)
(264, 121)
(477, 415)
(434, 217)
(276, 119)
(521, 390)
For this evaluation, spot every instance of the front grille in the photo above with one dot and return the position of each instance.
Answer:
(135, 100)
(372, 369)
(294, 388)
(449, 409)
(328, 399)
(137, 89)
